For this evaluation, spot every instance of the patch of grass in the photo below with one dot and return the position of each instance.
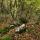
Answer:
(6, 37)
(4, 30)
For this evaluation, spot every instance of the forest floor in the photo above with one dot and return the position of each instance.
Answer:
(32, 32)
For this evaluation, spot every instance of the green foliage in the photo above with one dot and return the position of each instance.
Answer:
(6, 37)
(4, 30)
(21, 10)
